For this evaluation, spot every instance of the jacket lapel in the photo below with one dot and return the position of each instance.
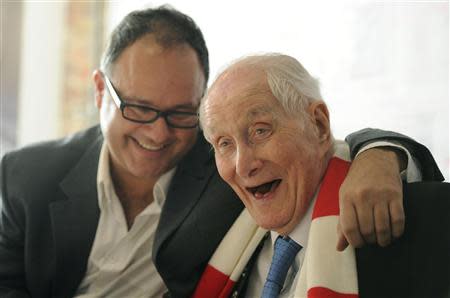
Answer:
(74, 222)
(185, 190)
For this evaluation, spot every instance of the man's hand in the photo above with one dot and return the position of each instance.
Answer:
(371, 199)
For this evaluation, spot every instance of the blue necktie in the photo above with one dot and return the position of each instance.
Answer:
(285, 250)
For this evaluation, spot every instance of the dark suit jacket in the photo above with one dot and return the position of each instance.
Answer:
(415, 266)
(418, 264)
(50, 214)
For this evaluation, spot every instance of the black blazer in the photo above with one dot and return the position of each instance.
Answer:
(415, 266)
(418, 264)
(50, 214)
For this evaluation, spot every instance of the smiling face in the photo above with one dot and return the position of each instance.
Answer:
(164, 79)
(270, 158)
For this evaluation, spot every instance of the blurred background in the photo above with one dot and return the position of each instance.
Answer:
(381, 64)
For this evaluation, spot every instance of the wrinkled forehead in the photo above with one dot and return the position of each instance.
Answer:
(236, 95)
(236, 84)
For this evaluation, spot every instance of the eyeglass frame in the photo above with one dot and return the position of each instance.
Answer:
(121, 104)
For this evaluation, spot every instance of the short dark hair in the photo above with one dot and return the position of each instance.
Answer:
(170, 28)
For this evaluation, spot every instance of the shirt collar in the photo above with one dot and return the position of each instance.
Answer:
(104, 182)
(162, 187)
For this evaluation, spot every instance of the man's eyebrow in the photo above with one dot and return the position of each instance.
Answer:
(258, 111)
(136, 100)
(132, 98)
(185, 106)
(149, 103)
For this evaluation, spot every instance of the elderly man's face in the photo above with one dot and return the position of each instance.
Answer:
(163, 79)
(270, 161)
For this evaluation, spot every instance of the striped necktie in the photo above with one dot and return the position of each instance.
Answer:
(285, 250)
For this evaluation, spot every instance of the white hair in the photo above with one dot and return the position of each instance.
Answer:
(288, 80)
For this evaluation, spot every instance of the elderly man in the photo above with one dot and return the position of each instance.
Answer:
(270, 130)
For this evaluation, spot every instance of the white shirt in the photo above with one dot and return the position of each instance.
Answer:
(301, 233)
(120, 263)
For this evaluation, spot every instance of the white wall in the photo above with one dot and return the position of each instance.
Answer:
(381, 64)
(41, 71)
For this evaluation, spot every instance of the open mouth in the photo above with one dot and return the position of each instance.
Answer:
(265, 189)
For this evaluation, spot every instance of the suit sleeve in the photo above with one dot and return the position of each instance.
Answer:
(12, 272)
(428, 166)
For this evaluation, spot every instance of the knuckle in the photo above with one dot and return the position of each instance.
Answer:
(356, 243)
(367, 232)
(365, 196)
(366, 191)
(371, 196)
(349, 231)
(356, 197)
(392, 193)
(383, 232)
(344, 195)
(371, 240)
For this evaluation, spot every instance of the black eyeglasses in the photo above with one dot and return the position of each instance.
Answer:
(144, 114)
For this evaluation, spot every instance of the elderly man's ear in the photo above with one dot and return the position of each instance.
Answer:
(320, 120)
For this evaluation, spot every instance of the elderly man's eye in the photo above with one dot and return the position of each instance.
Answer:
(262, 132)
(223, 144)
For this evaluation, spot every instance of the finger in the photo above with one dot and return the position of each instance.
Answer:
(350, 225)
(397, 218)
(342, 242)
(382, 224)
(366, 222)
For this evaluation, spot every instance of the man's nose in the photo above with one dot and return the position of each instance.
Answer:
(159, 130)
(247, 162)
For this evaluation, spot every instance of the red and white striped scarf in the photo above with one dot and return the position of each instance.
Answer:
(325, 272)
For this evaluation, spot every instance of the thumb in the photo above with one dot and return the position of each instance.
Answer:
(342, 242)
